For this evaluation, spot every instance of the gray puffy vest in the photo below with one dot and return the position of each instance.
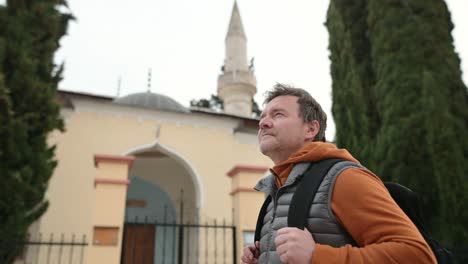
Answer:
(321, 222)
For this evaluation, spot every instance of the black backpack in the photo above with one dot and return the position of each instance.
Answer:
(302, 200)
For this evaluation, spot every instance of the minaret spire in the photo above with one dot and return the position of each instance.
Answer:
(235, 25)
(236, 43)
(237, 83)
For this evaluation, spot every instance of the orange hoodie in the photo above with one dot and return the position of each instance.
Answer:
(366, 210)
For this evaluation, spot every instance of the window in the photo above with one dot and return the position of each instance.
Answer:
(248, 237)
(105, 236)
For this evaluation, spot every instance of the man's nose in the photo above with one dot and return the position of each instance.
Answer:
(265, 122)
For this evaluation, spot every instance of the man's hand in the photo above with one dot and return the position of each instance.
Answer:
(294, 246)
(251, 254)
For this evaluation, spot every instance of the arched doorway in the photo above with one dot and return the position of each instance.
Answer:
(163, 191)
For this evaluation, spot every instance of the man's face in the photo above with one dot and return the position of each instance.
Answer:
(281, 130)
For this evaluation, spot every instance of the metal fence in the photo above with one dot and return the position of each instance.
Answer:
(148, 242)
(50, 249)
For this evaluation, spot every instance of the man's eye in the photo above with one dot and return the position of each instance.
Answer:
(279, 114)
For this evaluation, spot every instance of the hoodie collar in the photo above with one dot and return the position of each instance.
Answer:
(268, 186)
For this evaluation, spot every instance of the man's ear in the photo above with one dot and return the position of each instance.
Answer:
(312, 130)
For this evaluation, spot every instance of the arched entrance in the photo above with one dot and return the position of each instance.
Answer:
(164, 190)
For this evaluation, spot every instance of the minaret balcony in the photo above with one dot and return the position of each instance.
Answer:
(237, 77)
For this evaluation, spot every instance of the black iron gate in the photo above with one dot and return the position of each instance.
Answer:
(181, 243)
(151, 242)
(171, 241)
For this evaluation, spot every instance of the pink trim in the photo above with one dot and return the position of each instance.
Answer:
(111, 181)
(246, 168)
(242, 189)
(113, 158)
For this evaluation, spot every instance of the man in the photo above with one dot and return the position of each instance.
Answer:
(361, 223)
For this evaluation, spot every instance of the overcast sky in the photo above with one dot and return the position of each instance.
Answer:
(182, 41)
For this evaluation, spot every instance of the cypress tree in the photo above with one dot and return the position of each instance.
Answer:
(30, 31)
(355, 116)
(414, 61)
(418, 134)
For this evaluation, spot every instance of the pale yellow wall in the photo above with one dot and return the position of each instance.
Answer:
(207, 144)
(246, 179)
(71, 188)
(250, 202)
(110, 199)
(247, 204)
(105, 255)
(107, 211)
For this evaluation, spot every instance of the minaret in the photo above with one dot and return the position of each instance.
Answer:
(237, 83)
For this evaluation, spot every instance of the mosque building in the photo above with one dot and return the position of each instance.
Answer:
(143, 179)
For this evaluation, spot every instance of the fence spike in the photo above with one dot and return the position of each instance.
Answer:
(62, 240)
(50, 247)
(233, 216)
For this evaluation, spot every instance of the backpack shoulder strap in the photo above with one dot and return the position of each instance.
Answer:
(302, 198)
(306, 190)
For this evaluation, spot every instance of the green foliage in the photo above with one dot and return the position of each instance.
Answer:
(399, 102)
(29, 36)
(215, 103)
(256, 111)
(353, 77)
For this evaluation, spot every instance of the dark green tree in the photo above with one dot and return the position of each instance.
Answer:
(30, 31)
(256, 111)
(353, 77)
(397, 77)
(215, 103)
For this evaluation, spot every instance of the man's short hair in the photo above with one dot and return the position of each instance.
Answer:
(308, 107)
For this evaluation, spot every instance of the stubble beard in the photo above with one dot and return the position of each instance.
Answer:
(267, 148)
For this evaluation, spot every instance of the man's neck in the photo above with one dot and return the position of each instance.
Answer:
(280, 158)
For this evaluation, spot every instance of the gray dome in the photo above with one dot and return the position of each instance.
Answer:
(153, 101)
